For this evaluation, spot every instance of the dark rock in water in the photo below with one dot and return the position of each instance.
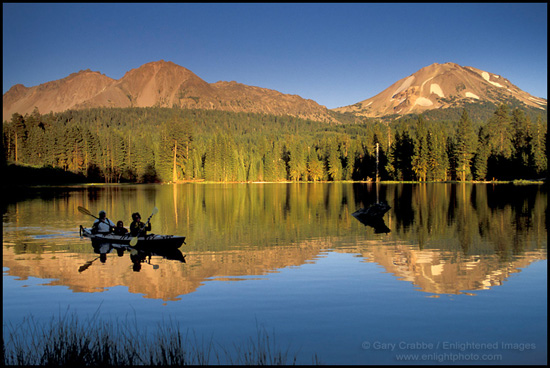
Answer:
(372, 216)
(376, 210)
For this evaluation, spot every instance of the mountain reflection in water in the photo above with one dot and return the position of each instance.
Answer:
(444, 238)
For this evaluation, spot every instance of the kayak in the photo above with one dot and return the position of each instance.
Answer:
(151, 241)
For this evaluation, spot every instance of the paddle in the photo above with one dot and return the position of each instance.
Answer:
(134, 240)
(86, 212)
(85, 266)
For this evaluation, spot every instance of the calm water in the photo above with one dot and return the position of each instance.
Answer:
(459, 278)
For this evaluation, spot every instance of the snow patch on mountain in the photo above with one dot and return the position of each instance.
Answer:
(435, 88)
(406, 84)
(487, 77)
(423, 101)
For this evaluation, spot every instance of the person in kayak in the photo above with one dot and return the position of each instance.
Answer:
(120, 229)
(102, 225)
(137, 227)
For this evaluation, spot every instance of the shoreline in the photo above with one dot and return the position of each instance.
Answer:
(23, 177)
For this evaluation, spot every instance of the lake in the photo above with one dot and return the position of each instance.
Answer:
(455, 274)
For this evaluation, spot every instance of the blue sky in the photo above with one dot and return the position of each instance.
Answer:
(334, 54)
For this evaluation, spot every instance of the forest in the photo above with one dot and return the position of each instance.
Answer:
(140, 145)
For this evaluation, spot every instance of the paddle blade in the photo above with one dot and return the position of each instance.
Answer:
(133, 241)
(85, 266)
(155, 211)
(84, 211)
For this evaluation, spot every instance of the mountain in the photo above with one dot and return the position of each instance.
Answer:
(443, 86)
(159, 83)
(54, 96)
(153, 84)
(435, 89)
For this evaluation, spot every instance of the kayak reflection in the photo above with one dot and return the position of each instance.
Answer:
(138, 255)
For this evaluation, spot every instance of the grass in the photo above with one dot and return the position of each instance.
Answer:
(528, 182)
(66, 341)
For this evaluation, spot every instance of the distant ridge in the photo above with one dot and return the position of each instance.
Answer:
(54, 96)
(160, 83)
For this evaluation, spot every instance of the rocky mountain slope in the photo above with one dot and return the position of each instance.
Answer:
(440, 86)
(54, 96)
(165, 84)
(160, 83)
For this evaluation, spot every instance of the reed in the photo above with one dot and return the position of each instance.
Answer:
(66, 341)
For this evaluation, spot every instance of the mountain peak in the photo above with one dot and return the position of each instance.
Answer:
(439, 86)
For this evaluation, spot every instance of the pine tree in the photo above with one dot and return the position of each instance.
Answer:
(297, 167)
(212, 161)
(538, 158)
(348, 148)
(402, 152)
(20, 135)
(420, 155)
(481, 157)
(37, 139)
(334, 163)
(390, 166)
(500, 141)
(465, 147)
(438, 160)
(180, 137)
(314, 166)
(521, 141)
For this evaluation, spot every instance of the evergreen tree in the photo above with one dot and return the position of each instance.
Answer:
(390, 166)
(500, 141)
(175, 142)
(269, 166)
(420, 156)
(402, 151)
(118, 156)
(521, 141)
(273, 166)
(144, 161)
(212, 161)
(20, 134)
(348, 148)
(37, 140)
(538, 159)
(238, 172)
(254, 168)
(481, 156)
(465, 147)
(438, 159)
(314, 166)
(334, 163)
(297, 167)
